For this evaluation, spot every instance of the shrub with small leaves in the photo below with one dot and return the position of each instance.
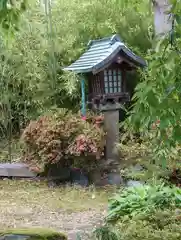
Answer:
(158, 226)
(58, 137)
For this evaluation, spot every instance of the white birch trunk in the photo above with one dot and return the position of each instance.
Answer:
(162, 20)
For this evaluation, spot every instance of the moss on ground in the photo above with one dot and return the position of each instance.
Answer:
(36, 233)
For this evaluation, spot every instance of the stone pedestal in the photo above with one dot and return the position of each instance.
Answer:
(111, 121)
(108, 172)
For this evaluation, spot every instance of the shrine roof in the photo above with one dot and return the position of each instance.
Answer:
(101, 52)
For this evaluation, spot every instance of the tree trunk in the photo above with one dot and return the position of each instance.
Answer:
(162, 19)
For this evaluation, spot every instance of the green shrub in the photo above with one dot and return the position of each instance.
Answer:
(144, 213)
(106, 233)
(162, 225)
(63, 136)
(139, 151)
(142, 200)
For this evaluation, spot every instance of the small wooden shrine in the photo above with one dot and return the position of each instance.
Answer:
(104, 66)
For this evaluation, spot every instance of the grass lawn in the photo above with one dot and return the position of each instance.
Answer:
(68, 209)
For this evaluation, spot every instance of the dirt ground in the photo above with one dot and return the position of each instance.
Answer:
(72, 210)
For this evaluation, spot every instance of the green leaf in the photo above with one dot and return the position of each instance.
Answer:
(178, 18)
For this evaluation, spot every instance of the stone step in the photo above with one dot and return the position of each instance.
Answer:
(16, 170)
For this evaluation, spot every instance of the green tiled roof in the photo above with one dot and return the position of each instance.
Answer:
(100, 53)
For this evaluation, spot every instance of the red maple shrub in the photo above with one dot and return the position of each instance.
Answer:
(59, 137)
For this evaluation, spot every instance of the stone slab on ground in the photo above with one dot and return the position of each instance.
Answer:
(102, 179)
(133, 183)
(16, 170)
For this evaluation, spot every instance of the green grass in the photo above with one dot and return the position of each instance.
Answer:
(37, 194)
(33, 204)
(28, 204)
(36, 233)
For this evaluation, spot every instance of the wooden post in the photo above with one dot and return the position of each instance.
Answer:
(83, 99)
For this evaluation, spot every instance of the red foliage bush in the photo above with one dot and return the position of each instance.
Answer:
(61, 136)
